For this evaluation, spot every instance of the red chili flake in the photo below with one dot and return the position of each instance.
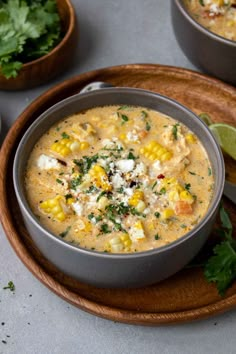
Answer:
(161, 176)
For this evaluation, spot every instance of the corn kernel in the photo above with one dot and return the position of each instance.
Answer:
(122, 136)
(136, 197)
(141, 206)
(191, 139)
(186, 196)
(75, 146)
(70, 201)
(100, 178)
(102, 203)
(173, 196)
(119, 243)
(66, 146)
(230, 23)
(167, 214)
(154, 151)
(53, 206)
(151, 226)
(84, 145)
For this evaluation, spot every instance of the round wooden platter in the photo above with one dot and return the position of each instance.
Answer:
(186, 296)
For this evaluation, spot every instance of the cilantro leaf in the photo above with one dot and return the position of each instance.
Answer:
(11, 69)
(221, 266)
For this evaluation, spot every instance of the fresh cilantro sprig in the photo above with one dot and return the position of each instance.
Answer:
(221, 267)
(28, 30)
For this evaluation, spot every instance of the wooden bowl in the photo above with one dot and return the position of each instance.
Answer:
(47, 67)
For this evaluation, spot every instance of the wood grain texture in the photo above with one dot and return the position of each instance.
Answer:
(43, 69)
(186, 296)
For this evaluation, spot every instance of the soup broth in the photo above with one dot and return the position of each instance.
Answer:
(119, 179)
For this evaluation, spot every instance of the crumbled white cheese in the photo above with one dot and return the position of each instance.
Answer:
(136, 232)
(78, 208)
(157, 165)
(92, 202)
(132, 136)
(112, 144)
(214, 10)
(125, 165)
(128, 191)
(47, 162)
(117, 181)
(140, 169)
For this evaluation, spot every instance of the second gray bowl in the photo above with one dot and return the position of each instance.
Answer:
(206, 50)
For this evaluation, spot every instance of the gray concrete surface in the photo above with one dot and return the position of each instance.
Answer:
(33, 320)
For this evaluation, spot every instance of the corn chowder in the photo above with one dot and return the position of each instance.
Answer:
(219, 16)
(119, 179)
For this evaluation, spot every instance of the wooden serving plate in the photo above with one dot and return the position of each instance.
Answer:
(185, 296)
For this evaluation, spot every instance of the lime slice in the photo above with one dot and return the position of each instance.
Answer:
(226, 136)
(206, 118)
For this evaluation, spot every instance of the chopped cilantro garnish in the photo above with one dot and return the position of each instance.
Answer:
(209, 171)
(154, 185)
(163, 190)
(131, 156)
(105, 229)
(123, 117)
(120, 190)
(97, 218)
(148, 126)
(175, 131)
(91, 189)
(144, 115)
(125, 107)
(59, 181)
(187, 186)
(74, 183)
(85, 163)
(157, 237)
(65, 135)
(64, 233)
(192, 173)
(157, 215)
(104, 193)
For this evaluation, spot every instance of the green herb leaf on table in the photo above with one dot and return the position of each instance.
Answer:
(221, 267)
(10, 286)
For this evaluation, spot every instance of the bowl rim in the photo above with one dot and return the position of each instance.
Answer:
(76, 248)
(63, 40)
(201, 28)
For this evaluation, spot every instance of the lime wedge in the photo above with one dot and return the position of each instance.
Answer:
(206, 118)
(226, 136)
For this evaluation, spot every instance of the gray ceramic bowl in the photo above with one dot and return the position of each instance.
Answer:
(117, 270)
(208, 51)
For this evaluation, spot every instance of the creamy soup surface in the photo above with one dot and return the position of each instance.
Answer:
(119, 179)
(219, 16)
